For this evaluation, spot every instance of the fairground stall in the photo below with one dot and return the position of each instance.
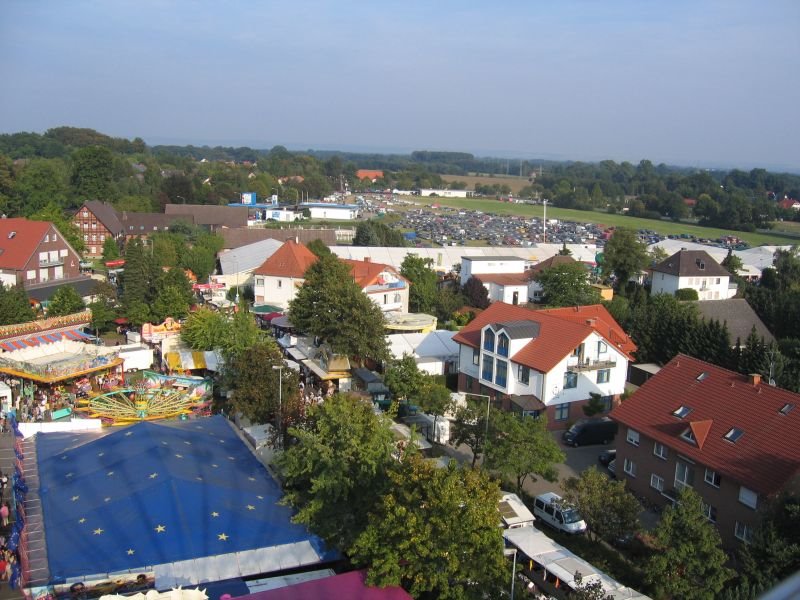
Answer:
(47, 380)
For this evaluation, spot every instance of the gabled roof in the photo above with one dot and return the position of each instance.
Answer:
(369, 174)
(558, 336)
(211, 214)
(599, 319)
(767, 454)
(691, 263)
(504, 278)
(241, 236)
(140, 223)
(19, 239)
(290, 260)
(553, 261)
(737, 314)
(366, 272)
(105, 213)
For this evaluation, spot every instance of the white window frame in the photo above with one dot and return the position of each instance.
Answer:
(629, 467)
(686, 481)
(602, 347)
(606, 376)
(660, 450)
(743, 532)
(712, 478)
(31, 275)
(709, 512)
(476, 357)
(656, 482)
(748, 497)
(632, 437)
(558, 408)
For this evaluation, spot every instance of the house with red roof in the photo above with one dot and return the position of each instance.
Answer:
(544, 362)
(504, 277)
(730, 437)
(789, 204)
(34, 252)
(277, 280)
(372, 175)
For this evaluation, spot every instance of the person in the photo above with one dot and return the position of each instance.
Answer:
(4, 512)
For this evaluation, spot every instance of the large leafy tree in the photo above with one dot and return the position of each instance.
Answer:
(475, 293)
(567, 284)
(241, 333)
(138, 282)
(103, 306)
(610, 511)
(331, 306)
(15, 306)
(65, 301)
(434, 399)
(435, 532)
(469, 427)
(424, 293)
(173, 295)
(688, 562)
(521, 446)
(92, 173)
(204, 329)
(403, 377)
(624, 256)
(335, 473)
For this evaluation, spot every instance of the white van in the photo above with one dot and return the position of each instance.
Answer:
(551, 509)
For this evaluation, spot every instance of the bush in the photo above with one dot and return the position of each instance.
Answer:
(686, 294)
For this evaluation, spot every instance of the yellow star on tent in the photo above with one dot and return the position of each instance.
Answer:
(260, 497)
(222, 537)
(82, 520)
(250, 507)
(160, 529)
(110, 473)
(98, 531)
(76, 498)
(131, 552)
(215, 514)
(251, 478)
(107, 499)
(179, 456)
(68, 475)
(153, 475)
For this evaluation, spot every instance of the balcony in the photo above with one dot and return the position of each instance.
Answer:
(591, 365)
(51, 263)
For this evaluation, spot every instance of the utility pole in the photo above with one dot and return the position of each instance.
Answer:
(544, 223)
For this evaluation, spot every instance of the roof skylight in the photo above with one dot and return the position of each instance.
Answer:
(682, 411)
(734, 434)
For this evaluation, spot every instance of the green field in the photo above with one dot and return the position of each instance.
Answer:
(608, 220)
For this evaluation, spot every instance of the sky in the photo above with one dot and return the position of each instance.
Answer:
(686, 82)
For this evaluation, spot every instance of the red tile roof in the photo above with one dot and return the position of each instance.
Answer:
(369, 174)
(290, 260)
(365, 272)
(504, 278)
(764, 458)
(601, 321)
(558, 335)
(19, 239)
(553, 261)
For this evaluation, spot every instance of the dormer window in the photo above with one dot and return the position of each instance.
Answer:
(502, 344)
(681, 412)
(787, 408)
(734, 434)
(688, 435)
(488, 340)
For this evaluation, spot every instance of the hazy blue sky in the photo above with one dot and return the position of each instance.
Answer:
(685, 82)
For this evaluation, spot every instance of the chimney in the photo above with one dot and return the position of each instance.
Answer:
(366, 259)
(590, 322)
(754, 378)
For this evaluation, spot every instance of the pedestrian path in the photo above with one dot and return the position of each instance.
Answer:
(7, 459)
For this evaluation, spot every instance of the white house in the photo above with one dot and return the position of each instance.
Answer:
(491, 265)
(446, 193)
(693, 269)
(546, 361)
(512, 288)
(340, 212)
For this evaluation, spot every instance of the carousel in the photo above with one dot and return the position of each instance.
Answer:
(154, 397)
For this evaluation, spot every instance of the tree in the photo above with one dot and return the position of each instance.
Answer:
(624, 256)
(110, 249)
(241, 333)
(591, 590)
(564, 250)
(204, 329)
(103, 306)
(475, 293)
(318, 247)
(424, 292)
(732, 263)
(686, 294)
(65, 302)
(595, 405)
(688, 562)
(435, 532)
(469, 427)
(335, 473)
(434, 399)
(610, 511)
(521, 446)
(92, 173)
(137, 282)
(15, 306)
(657, 254)
(403, 377)
(331, 306)
(567, 284)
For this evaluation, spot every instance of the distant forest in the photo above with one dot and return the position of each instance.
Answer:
(65, 166)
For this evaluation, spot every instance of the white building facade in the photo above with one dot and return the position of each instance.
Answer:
(335, 212)
(693, 269)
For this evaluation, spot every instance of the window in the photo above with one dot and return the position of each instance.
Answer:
(386, 298)
(602, 347)
(660, 450)
(47, 238)
(630, 467)
(681, 411)
(734, 434)
(55, 237)
(94, 237)
(488, 368)
(501, 376)
(578, 351)
(603, 375)
(523, 374)
(63, 253)
(748, 497)
(688, 435)
(684, 475)
(86, 213)
(280, 284)
(712, 478)
(562, 411)
(476, 356)
(570, 380)
(488, 340)
(743, 532)
(502, 344)
(85, 237)
(31, 275)
(102, 237)
(608, 402)
(632, 437)
(709, 512)
(656, 482)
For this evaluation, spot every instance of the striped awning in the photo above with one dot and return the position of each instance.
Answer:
(41, 340)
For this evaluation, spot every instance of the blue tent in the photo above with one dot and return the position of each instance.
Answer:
(151, 494)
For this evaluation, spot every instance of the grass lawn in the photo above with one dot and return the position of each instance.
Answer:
(608, 220)
(514, 182)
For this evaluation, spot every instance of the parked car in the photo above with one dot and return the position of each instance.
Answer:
(551, 509)
(606, 456)
(591, 431)
(612, 468)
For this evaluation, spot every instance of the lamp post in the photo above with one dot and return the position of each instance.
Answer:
(512, 552)
(279, 369)
(488, 406)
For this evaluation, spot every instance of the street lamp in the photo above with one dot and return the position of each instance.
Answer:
(279, 369)
(488, 405)
(512, 552)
